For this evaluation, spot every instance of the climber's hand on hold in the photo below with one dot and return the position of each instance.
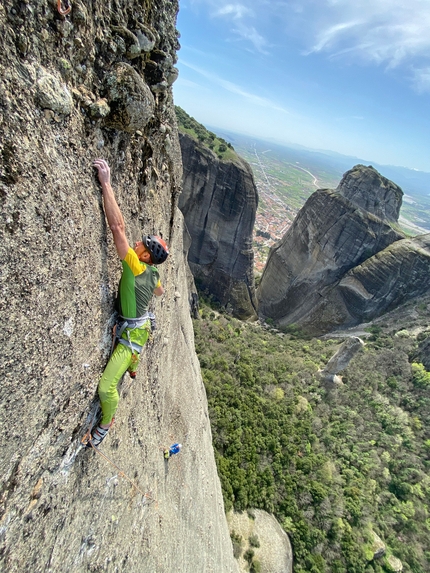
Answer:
(103, 171)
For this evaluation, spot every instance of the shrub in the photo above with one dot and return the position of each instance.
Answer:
(237, 541)
(420, 376)
(253, 541)
(249, 555)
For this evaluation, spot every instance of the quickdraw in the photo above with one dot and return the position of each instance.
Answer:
(67, 7)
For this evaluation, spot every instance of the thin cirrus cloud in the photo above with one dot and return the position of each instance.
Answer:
(392, 33)
(240, 15)
(386, 41)
(236, 11)
(250, 34)
(421, 79)
(234, 88)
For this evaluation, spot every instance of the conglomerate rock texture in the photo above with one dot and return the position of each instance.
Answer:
(219, 202)
(342, 261)
(95, 82)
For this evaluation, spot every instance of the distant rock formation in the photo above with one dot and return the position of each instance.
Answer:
(340, 360)
(393, 564)
(383, 282)
(379, 549)
(260, 533)
(378, 546)
(342, 261)
(367, 189)
(219, 203)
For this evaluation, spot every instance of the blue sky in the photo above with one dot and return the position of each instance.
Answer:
(340, 75)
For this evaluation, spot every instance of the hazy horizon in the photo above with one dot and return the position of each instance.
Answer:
(343, 77)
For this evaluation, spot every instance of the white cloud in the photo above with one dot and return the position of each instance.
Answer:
(421, 80)
(382, 32)
(331, 35)
(189, 83)
(390, 33)
(237, 11)
(234, 88)
(240, 18)
(250, 34)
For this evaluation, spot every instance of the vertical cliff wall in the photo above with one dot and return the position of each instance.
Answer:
(219, 203)
(95, 81)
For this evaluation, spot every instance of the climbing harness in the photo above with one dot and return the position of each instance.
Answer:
(128, 324)
(67, 7)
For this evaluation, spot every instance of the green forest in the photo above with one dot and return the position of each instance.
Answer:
(333, 464)
(187, 124)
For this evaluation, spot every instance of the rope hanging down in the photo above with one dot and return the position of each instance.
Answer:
(121, 473)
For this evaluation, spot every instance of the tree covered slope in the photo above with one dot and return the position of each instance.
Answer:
(333, 464)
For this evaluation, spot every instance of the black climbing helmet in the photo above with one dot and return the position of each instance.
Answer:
(157, 248)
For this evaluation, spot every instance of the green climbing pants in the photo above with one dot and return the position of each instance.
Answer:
(122, 359)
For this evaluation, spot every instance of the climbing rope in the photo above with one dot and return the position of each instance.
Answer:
(87, 440)
(122, 473)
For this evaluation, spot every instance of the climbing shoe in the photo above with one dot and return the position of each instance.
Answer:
(99, 434)
(132, 374)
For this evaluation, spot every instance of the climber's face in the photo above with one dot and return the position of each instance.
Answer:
(142, 252)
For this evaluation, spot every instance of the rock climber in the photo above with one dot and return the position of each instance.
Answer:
(139, 281)
(174, 449)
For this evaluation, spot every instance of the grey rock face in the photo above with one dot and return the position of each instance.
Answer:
(52, 94)
(372, 192)
(330, 236)
(424, 353)
(338, 264)
(378, 546)
(274, 553)
(398, 273)
(63, 509)
(132, 103)
(393, 564)
(146, 39)
(382, 283)
(219, 202)
(340, 360)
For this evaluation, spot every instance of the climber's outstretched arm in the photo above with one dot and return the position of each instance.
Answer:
(113, 212)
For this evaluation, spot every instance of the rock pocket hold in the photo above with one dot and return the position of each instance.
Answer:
(130, 99)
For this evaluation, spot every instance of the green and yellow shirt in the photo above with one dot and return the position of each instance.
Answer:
(136, 286)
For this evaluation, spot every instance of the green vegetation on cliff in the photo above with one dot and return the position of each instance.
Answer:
(197, 131)
(332, 465)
